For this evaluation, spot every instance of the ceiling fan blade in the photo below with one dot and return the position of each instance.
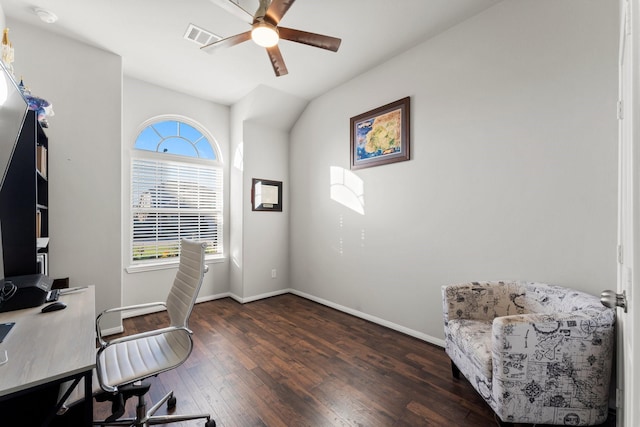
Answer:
(276, 61)
(311, 39)
(228, 42)
(234, 9)
(277, 9)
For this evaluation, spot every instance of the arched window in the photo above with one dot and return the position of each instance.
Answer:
(176, 190)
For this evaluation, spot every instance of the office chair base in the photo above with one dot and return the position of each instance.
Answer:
(147, 418)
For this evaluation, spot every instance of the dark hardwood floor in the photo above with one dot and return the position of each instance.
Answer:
(287, 361)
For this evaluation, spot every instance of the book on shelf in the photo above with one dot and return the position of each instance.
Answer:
(38, 224)
(41, 160)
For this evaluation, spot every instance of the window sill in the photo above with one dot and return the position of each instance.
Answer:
(141, 268)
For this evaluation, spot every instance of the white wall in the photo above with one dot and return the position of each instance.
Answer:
(512, 176)
(259, 242)
(144, 101)
(84, 84)
(266, 237)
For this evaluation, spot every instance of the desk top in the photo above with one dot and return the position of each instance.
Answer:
(45, 347)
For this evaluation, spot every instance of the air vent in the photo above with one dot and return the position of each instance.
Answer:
(200, 36)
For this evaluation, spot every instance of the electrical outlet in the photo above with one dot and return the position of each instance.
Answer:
(273, 273)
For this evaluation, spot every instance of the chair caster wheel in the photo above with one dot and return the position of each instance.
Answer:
(210, 423)
(171, 403)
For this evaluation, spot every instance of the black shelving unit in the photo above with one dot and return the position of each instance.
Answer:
(24, 201)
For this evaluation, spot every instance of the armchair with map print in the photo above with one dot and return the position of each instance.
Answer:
(537, 353)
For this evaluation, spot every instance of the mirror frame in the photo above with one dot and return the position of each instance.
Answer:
(274, 196)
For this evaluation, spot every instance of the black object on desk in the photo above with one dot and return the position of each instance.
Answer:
(5, 328)
(54, 306)
(32, 291)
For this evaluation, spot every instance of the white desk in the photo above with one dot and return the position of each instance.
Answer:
(45, 348)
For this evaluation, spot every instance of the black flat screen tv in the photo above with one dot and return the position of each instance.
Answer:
(13, 110)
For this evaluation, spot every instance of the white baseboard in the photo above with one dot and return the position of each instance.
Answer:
(261, 296)
(213, 297)
(112, 331)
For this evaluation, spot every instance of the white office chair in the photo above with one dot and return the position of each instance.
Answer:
(122, 363)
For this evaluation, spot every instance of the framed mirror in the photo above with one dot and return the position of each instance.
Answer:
(266, 195)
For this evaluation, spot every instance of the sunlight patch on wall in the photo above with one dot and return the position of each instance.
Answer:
(235, 259)
(238, 157)
(347, 189)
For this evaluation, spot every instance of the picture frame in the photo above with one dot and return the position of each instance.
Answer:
(266, 195)
(381, 136)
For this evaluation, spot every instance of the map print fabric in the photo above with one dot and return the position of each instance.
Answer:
(537, 353)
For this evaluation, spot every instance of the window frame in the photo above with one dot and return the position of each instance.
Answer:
(140, 154)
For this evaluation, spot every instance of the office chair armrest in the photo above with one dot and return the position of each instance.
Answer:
(121, 309)
(145, 335)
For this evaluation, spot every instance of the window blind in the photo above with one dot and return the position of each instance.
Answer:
(171, 201)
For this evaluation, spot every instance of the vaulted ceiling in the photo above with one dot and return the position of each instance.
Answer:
(149, 35)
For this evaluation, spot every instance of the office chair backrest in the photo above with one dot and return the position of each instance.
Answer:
(187, 282)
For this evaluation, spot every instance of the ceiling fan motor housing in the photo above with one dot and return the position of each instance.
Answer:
(265, 31)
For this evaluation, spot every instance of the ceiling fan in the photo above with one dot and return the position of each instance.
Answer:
(266, 32)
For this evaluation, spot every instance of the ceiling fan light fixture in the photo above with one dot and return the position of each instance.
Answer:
(265, 34)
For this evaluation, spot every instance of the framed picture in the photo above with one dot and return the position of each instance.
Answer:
(381, 136)
(266, 195)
